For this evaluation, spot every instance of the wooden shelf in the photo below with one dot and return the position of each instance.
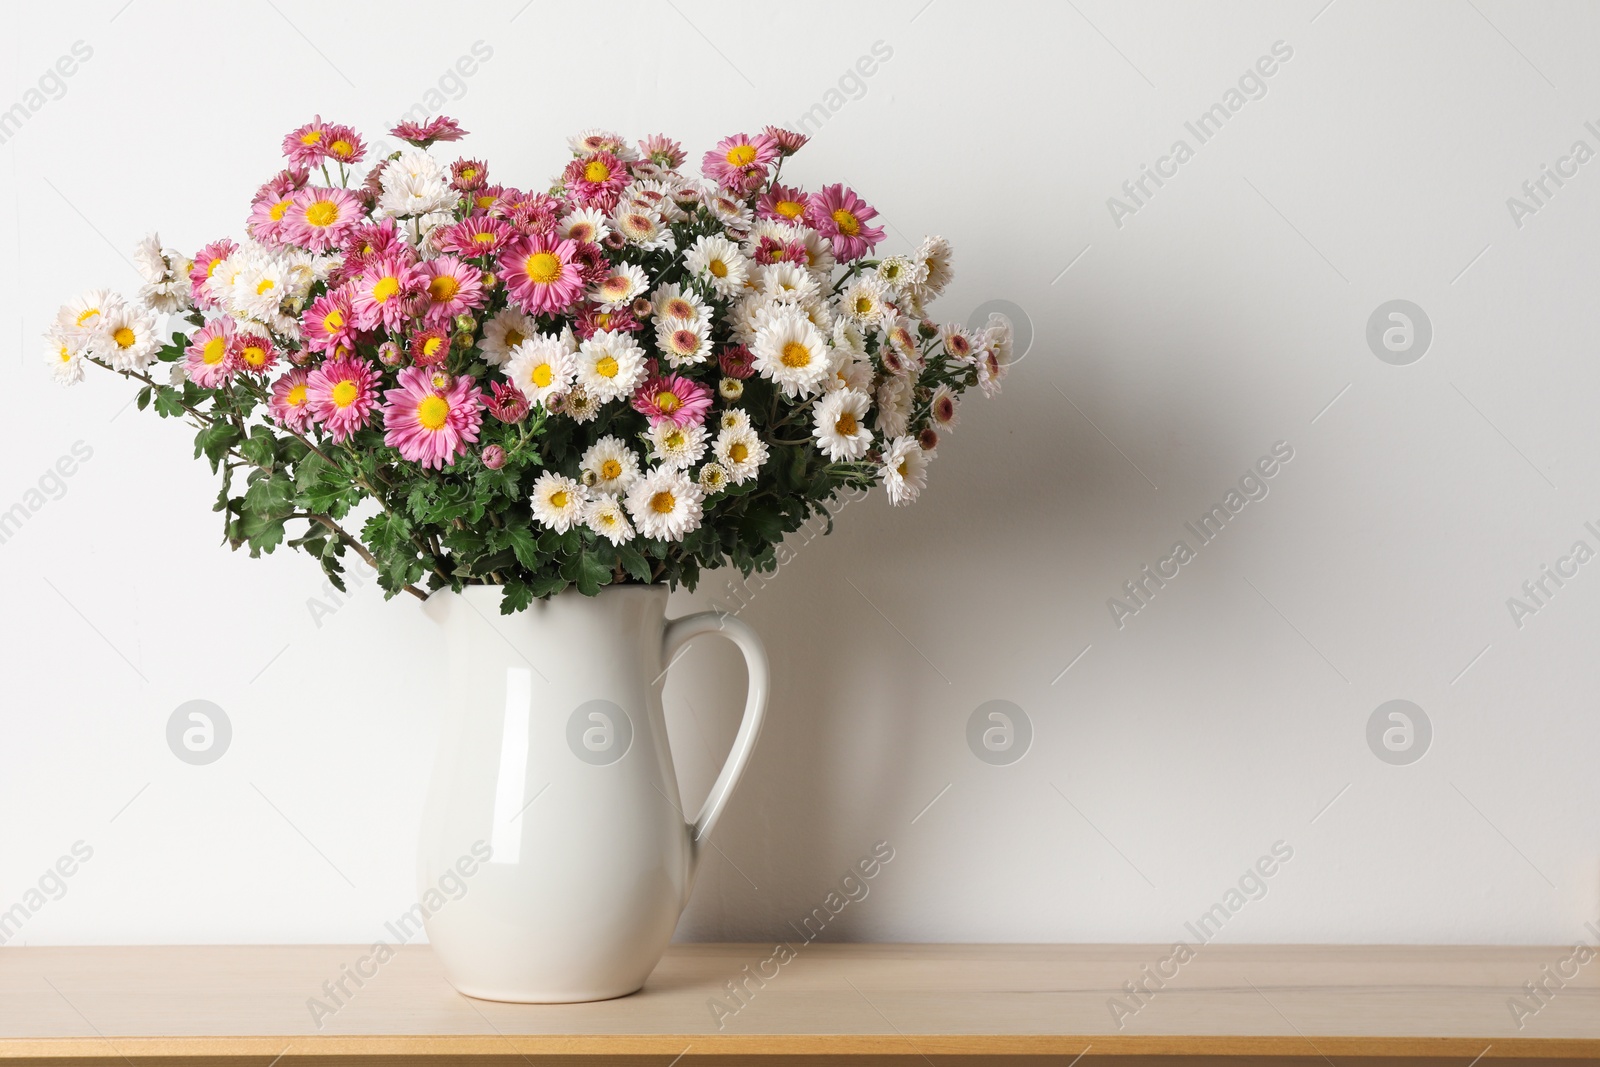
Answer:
(901, 1004)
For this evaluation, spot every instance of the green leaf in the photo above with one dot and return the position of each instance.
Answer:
(634, 563)
(593, 573)
(214, 441)
(517, 597)
(525, 543)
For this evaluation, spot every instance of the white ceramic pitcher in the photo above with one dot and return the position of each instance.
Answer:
(554, 754)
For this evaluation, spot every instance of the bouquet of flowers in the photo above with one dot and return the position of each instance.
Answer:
(629, 377)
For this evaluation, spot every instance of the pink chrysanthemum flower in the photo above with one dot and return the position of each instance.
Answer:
(209, 360)
(770, 250)
(468, 174)
(596, 180)
(473, 237)
(738, 156)
(423, 134)
(304, 147)
(205, 261)
(430, 347)
(783, 204)
(319, 218)
(737, 362)
(452, 288)
(290, 404)
(330, 322)
(663, 151)
(591, 320)
(788, 141)
(342, 394)
(431, 425)
(343, 144)
(507, 403)
(286, 182)
(383, 294)
(841, 216)
(486, 198)
(670, 398)
(265, 223)
(540, 275)
(255, 352)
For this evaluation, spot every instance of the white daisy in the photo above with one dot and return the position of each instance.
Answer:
(933, 256)
(641, 226)
(841, 426)
(588, 142)
(671, 302)
(585, 224)
(894, 405)
(84, 312)
(541, 367)
(905, 470)
(258, 290)
(790, 352)
(902, 272)
(719, 261)
(665, 504)
(961, 345)
(578, 405)
(865, 300)
(415, 185)
(733, 419)
(610, 364)
(847, 335)
(558, 501)
(713, 478)
(508, 329)
(741, 452)
(900, 336)
(125, 337)
(609, 466)
(605, 517)
(684, 340)
(747, 315)
(788, 283)
(618, 288)
(730, 388)
(677, 446)
(735, 215)
(166, 276)
(990, 372)
(942, 409)
(846, 370)
(999, 338)
(66, 354)
(819, 253)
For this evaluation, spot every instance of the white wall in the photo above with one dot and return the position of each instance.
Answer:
(1222, 317)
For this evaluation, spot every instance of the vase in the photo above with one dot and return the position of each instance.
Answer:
(554, 860)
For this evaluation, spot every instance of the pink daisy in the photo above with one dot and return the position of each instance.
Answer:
(255, 353)
(452, 287)
(485, 198)
(592, 320)
(468, 174)
(473, 237)
(738, 156)
(304, 147)
(788, 141)
(430, 347)
(737, 361)
(330, 321)
(342, 393)
(663, 151)
(431, 425)
(289, 404)
(782, 203)
(771, 250)
(841, 216)
(507, 403)
(319, 218)
(596, 180)
(205, 261)
(343, 145)
(540, 275)
(670, 398)
(423, 134)
(266, 217)
(287, 181)
(384, 291)
(209, 360)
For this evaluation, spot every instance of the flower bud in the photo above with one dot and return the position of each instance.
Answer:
(389, 354)
(494, 457)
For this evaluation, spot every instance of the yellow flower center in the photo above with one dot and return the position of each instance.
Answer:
(323, 213)
(431, 346)
(606, 367)
(483, 237)
(124, 337)
(514, 338)
(345, 393)
(264, 284)
(211, 268)
(311, 137)
(543, 267)
(717, 268)
(738, 451)
(848, 224)
(596, 171)
(296, 396)
(486, 201)
(342, 148)
(542, 376)
(902, 470)
(66, 354)
(789, 209)
(663, 503)
(254, 355)
(333, 320)
(796, 355)
(559, 498)
(469, 173)
(276, 212)
(433, 412)
(386, 287)
(667, 402)
(846, 425)
(444, 288)
(863, 304)
(742, 155)
(611, 470)
(214, 351)
(87, 314)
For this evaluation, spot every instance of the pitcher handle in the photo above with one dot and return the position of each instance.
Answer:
(679, 632)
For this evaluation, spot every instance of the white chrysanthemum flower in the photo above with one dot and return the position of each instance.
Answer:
(735, 215)
(933, 256)
(166, 276)
(733, 419)
(84, 311)
(782, 232)
(902, 273)
(819, 252)
(558, 501)
(788, 283)
(148, 260)
(609, 465)
(905, 470)
(125, 337)
(847, 370)
(586, 224)
(841, 425)
(415, 185)
(65, 347)
(508, 329)
(671, 302)
(610, 364)
(618, 288)
(605, 517)
(960, 344)
(850, 337)
(942, 409)
(713, 478)
(594, 139)
(999, 338)
(730, 388)
(894, 405)
(665, 504)
(719, 261)
(579, 406)
(684, 341)
(790, 352)
(259, 289)
(741, 452)
(990, 372)
(541, 367)
(677, 446)
(747, 315)
(865, 300)
(900, 337)
(642, 226)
